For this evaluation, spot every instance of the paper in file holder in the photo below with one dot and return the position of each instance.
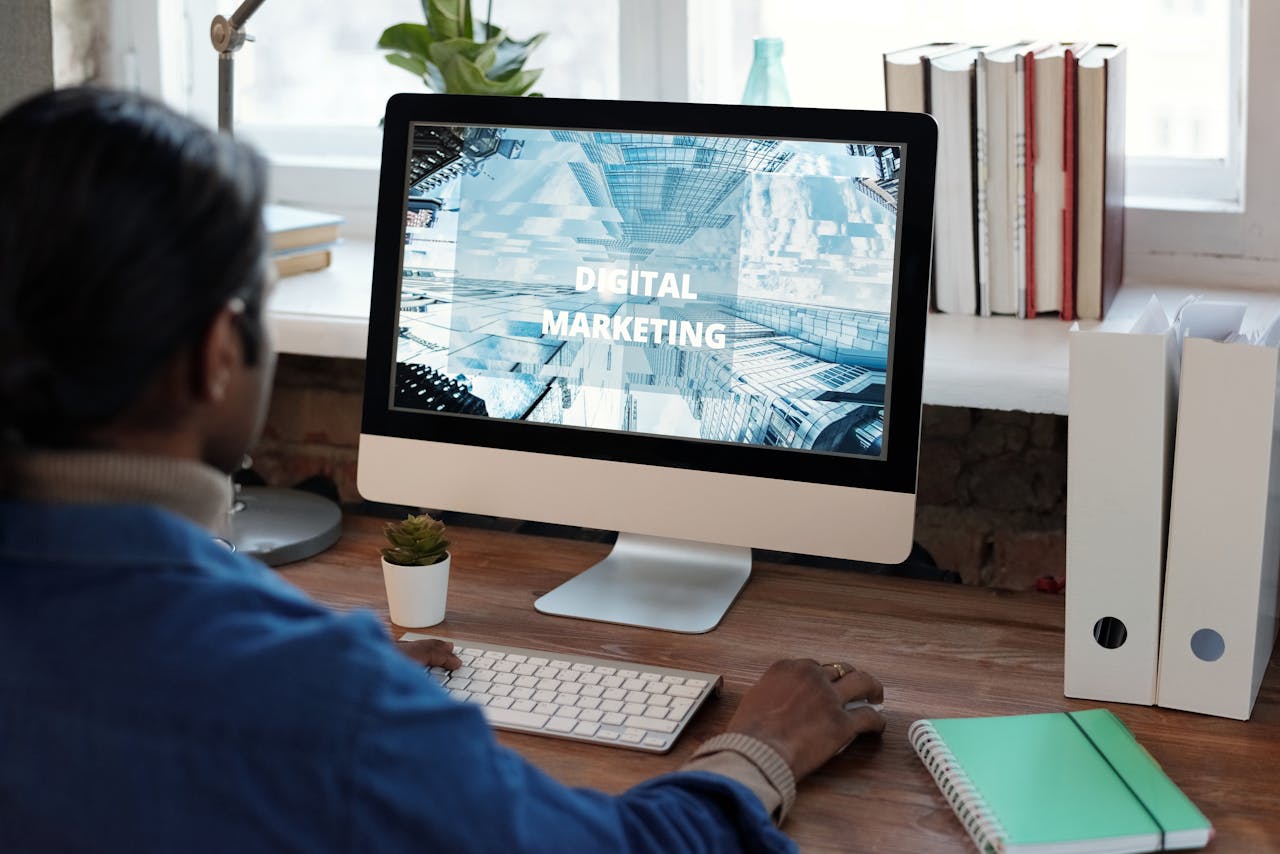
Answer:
(1219, 620)
(1123, 402)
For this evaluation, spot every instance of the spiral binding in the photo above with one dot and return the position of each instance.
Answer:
(966, 801)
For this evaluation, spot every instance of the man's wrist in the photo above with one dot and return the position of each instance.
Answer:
(763, 757)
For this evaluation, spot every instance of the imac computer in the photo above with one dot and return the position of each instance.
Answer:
(701, 326)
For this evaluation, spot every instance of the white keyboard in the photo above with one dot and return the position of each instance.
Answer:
(618, 703)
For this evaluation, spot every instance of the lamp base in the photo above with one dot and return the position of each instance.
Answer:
(279, 526)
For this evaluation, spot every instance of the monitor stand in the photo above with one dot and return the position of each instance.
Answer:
(656, 583)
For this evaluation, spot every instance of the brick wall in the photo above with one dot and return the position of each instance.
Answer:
(992, 489)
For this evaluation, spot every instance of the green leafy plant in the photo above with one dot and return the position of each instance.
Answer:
(416, 541)
(451, 57)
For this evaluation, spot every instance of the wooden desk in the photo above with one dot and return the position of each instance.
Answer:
(941, 650)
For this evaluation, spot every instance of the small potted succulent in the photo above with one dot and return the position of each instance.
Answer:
(415, 567)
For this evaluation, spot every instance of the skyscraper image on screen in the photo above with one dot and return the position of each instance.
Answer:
(703, 287)
(698, 325)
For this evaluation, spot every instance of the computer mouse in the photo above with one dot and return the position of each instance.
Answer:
(859, 704)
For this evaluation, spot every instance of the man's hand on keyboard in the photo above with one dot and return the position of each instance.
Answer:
(798, 709)
(431, 653)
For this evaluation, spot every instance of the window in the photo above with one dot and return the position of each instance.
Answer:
(1180, 85)
(311, 88)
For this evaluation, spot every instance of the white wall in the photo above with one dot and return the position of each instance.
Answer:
(79, 40)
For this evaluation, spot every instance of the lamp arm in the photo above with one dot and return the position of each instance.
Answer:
(241, 15)
(228, 36)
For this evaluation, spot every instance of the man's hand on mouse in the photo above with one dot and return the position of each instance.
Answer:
(798, 709)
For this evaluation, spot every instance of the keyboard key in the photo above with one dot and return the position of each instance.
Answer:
(586, 728)
(653, 724)
(511, 717)
(655, 741)
(614, 718)
(632, 736)
(607, 734)
(561, 725)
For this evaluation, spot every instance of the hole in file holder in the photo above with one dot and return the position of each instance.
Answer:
(1208, 645)
(1110, 633)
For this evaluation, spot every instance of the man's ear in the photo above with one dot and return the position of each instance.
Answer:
(219, 356)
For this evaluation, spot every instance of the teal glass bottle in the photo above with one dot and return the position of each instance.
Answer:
(766, 84)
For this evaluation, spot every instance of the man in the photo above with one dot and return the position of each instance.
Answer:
(160, 693)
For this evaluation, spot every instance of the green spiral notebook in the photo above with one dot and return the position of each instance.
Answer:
(1057, 783)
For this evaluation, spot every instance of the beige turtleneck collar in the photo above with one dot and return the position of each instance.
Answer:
(189, 488)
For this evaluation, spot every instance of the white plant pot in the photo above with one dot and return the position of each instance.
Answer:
(416, 594)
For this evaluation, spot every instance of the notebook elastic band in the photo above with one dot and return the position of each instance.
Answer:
(1116, 771)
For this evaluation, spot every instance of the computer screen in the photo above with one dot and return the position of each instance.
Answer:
(652, 318)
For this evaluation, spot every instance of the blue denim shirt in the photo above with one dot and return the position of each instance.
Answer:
(160, 693)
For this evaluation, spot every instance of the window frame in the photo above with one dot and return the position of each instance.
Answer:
(1230, 239)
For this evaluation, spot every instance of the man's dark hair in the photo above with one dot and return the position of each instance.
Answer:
(124, 229)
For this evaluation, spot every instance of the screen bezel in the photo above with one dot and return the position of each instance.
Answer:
(916, 132)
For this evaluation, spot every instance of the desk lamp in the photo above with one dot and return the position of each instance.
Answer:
(275, 525)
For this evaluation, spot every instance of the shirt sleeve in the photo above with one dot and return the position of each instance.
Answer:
(427, 774)
(737, 767)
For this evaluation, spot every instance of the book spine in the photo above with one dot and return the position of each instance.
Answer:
(1069, 188)
(982, 243)
(1029, 186)
(965, 800)
(1019, 235)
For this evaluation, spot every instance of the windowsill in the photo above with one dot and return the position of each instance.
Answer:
(998, 363)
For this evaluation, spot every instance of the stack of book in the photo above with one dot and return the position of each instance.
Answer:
(301, 240)
(1029, 211)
